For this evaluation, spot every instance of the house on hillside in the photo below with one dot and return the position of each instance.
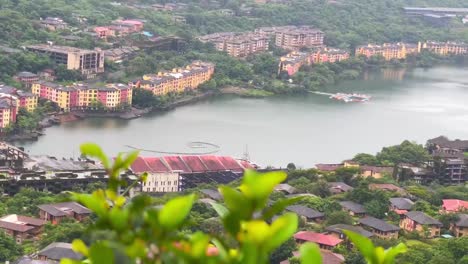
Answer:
(58, 251)
(339, 187)
(55, 213)
(379, 227)
(306, 213)
(454, 205)
(353, 209)
(21, 227)
(400, 205)
(376, 171)
(460, 228)
(337, 231)
(285, 188)
(325, 242)
(425, 225)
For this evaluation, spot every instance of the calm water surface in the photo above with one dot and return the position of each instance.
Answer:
(416, 105)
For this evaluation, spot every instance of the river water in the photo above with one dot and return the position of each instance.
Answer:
(406, 104)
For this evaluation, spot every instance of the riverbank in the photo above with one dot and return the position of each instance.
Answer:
(244, 92)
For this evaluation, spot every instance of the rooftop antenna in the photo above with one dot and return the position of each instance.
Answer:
(246, 155)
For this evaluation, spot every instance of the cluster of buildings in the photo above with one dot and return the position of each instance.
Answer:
(286, 37)
(391, 51)
(119, 28)
(178, 80)
(294, 37)
(84, 96)
(238, 44)
(88, 62)
(388, 50)
(11, 99)
(293, 61)
(53, 23)
(22, 227)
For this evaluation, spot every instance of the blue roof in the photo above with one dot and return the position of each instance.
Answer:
(148, 34)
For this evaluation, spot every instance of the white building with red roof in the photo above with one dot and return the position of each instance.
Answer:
(176, 173)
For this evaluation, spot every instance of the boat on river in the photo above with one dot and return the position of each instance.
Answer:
(350, 98)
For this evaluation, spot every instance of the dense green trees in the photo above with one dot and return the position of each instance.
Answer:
(8, 248)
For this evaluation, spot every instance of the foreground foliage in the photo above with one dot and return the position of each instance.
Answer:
(137, 232)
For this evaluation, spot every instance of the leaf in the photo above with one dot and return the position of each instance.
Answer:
(255, 232)
(101, 253)
(79, 246)
(281, 230)
(69, 261)
(200, 244)
(258, 186)
(392, 252)
(137, 249)
(175, 211)
(93, 150)
(220, 209)
(363, 244)
(310, 254)
(236, 202)
(119, 218)
(279, 206)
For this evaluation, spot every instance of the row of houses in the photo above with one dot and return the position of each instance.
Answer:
(238, 44)
(247, 43)
(400, 50)
(11, 99)
(84, 96)
(178, 80)
(293, 61)
(119, 28)
(23, 228)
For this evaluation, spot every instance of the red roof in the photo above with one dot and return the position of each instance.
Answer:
(176, 163)
(100, 29)
(230, 163)
(212, 163)
(400, 212)
(318, 238)
(156, 164)
(194, 163)
(140, 166)
(188, 164)
(454, 205)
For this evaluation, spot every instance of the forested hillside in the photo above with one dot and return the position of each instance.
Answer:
(346, 22)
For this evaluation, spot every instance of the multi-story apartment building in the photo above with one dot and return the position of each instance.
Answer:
(237, 44)
(26, 78)
(445, 48)
(331, 55)
(292, 62)
(8, 111)
(84, 96)
(388, 50)
(294, 37)
(119, 28)
(88, 62)
(21, 98)
(178, 80)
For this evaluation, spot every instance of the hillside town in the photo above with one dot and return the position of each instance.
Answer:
(107, 62)
(335, 197)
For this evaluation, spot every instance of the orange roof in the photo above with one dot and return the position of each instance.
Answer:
(318, 238)
(454, 205)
